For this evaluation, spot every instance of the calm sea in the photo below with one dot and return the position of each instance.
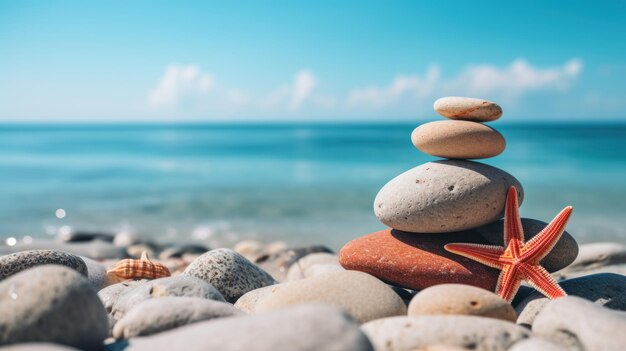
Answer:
(301, 183)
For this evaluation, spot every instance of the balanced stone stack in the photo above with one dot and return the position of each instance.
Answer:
(446, 201)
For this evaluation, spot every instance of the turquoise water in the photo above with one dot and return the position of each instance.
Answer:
(300, 183)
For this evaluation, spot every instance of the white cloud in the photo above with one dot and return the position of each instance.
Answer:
(294, 95)
(179, 83)
(303, 85)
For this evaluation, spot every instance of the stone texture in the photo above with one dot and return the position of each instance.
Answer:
(444, 196)
(465, 108)
(458, 299)
(604, 289)
(231, 273)
(96, 273)
(470, 332)
(298, 270)
(248, 302)
(303, 328)
(363, 296)
(578, 324)
(162, 287)
(53, 304)
(157, 315)
(458, 139)
(111, 293)
(95, 249)
(537, 344)
(278, 262)
(19, 261)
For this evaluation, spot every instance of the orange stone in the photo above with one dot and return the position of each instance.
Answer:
(416, 261)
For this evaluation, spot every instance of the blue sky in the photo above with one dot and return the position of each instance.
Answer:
(135, 61)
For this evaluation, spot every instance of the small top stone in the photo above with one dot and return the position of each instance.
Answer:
(470, 109)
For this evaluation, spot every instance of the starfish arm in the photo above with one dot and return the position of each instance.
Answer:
(541, 280)
(541, 244)
(509, 282)
(512, 222)
(485, 254)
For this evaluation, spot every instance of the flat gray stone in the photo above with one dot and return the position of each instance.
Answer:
(111, 293)
(158, 315)
(596, 255)
(19, 261)
(604, 289)
(303, 328)
(169, 286)
(578, 324)
(53, 304)
(445, 196)
(360, 294)
(470, 332)
(95, 249)
(231, 273)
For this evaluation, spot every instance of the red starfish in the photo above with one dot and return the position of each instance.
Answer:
(519, 261)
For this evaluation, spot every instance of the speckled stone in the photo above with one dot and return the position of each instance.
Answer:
(458, 139)
(604, 289)
(158, 315)
(470, 332)
(17, 262)
(278, 262)
(578, 324)
(169, 286)
(465, 108)
(231, 273)
(460, 299)
(53, 304)
(300, 268)
(302, 328)
(444, 196)
(362, 295)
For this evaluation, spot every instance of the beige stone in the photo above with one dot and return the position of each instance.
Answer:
(460, 299)
(458, 139)
(471, 109)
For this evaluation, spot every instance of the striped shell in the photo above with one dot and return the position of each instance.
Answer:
(142, 268)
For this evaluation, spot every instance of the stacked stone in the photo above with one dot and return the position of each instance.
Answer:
(446, 201)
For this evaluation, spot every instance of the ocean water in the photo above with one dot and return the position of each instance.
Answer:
(218, 184)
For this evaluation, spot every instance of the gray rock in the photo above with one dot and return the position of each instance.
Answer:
(444, 196)
(169, 286)
(157, 315)
(298, 270)
(561, 256)
(81, 236)
(248, 301)
(304, 328)
(95, 249)
(578, 324)
(53, 304)
(360, 294)
(111, 293)
(231, 273)
(460, 299)
(177, 251)
(604, 289)
(19, 261)
(37, 346)
(277, 263)
(598, 255)
(470, 332)
(536, 344)
(96, 273)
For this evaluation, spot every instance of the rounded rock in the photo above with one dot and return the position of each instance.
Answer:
(458, 140)
(445, 196)
(460, 299)
(248, 302)
(299, 269)
(362, 295)
(231, 273)
(19, 261)
(465, 108)
(52, 304)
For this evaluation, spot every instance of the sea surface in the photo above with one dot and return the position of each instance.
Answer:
(218, 184)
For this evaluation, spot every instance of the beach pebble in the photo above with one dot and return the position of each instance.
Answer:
(303, 328)
(111, 293)
(248, 302)
(537, 344)
(444, 196)
(178, 251)
(96, 273)
(169, 286)
(95, 249)
(157, 315)
(135, 250)
(19, 261)
(459, 299)
(232, 274)
(53, 304)
(278, 263)
(37, 346)
(362, 295)
(458, 139)
(561, 255)
(125, 239)
(595, 255)
(604, 289)
(578, 324)
(420, 332)
(250, 249)
(80, 236)
(465, 108)
(299, 269)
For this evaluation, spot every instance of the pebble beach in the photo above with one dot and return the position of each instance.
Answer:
(392, 289)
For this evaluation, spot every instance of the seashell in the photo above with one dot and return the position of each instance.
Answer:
(142, 268)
